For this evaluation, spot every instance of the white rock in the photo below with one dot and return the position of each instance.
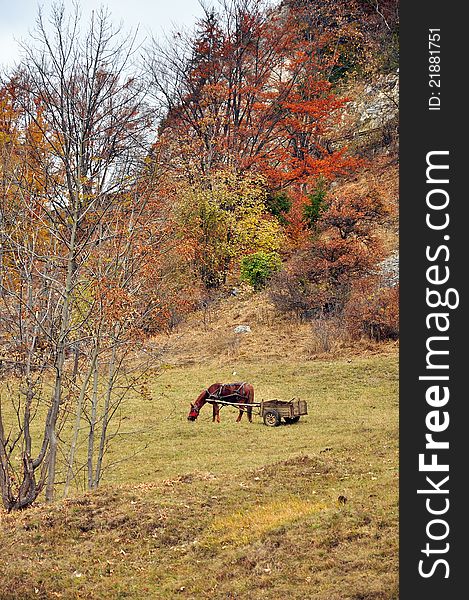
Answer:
(242, 329)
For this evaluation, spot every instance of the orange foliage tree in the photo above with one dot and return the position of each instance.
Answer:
(249, 91)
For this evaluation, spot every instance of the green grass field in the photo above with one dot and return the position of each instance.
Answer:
(230, 510)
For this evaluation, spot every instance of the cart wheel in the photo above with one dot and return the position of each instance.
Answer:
(271, 418)
(290, 420)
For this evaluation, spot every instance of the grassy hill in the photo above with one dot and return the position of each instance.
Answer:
(230, 510)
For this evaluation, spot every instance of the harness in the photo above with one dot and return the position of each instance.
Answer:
(237, 393)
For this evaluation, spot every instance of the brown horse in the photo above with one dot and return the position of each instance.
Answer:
(238, 393)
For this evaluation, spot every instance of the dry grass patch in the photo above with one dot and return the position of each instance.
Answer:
(245, 526)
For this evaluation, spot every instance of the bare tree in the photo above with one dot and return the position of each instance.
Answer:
(69, 186)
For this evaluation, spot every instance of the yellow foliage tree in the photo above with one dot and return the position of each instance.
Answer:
(224, 218)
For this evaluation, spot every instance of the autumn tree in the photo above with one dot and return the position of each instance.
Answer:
(360, 35)
(225, 218)
(247, 91)
(27, 314)
(345, 248)
(70, 198)
(372, 309)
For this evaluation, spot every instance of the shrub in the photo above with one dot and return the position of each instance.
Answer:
(373, 311)
(289, 293)
(316, 205)
(257, 268)
(327, 334)
(279, 204)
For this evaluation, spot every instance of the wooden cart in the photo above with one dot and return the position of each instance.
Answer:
(272, 411)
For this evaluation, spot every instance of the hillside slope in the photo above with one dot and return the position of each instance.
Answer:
(208, 335)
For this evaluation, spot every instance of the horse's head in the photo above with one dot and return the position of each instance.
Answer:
(193, 414)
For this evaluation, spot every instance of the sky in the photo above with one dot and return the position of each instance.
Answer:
(17, 18)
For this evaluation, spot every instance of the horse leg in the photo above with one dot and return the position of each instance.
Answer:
(250, 400)
(216, 413)
(239, 416)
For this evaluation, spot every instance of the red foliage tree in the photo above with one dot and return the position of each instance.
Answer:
(251, 93)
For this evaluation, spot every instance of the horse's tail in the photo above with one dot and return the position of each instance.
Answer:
(250, 393)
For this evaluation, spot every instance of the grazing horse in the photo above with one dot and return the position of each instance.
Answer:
(238, 393)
